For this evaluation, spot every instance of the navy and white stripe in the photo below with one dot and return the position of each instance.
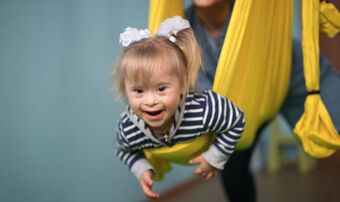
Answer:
(198, 114)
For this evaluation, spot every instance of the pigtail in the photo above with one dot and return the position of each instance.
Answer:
(187, 42)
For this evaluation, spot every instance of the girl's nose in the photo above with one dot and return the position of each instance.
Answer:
(150, 99)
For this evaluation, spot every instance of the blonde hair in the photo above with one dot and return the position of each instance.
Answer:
(140, 58)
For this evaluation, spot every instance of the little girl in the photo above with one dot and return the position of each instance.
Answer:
(156, 75)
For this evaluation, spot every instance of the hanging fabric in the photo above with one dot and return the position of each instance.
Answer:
(315, 128)
(255, 62)
(329, 19)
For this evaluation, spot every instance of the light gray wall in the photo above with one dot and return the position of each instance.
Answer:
(57, 113)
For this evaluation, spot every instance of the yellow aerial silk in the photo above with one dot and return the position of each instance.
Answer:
(315, 128)
(253, 70)
(329, 19)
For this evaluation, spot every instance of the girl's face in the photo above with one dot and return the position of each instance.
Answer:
(155, 101)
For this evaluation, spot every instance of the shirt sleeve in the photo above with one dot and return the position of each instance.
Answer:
(134, 159)
(225, 119)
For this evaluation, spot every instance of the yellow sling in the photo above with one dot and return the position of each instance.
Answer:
(315, 128)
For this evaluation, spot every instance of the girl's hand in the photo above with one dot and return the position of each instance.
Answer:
(146, 182)
(203, 169)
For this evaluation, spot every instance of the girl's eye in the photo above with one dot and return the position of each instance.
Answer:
(138, 90)
(161, 88)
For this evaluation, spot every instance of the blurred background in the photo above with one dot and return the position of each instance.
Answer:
(57, 108)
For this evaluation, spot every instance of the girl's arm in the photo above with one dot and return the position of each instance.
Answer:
(134, 159)
(225, 119)
(136, 162)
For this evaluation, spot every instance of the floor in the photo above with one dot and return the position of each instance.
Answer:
(319, 185)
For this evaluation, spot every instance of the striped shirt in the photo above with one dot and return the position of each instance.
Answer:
(198, 114)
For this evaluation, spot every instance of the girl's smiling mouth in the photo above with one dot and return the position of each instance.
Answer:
(154, 113)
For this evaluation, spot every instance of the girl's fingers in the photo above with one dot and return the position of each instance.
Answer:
(198, 171)
(147, 190)
(195, 160)
(209, 175)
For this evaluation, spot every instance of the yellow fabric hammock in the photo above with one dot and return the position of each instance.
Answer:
(254, 67)
(315, 128)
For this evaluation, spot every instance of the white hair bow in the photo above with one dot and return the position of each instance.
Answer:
(131, 35)
(167, 28)
(171, 26)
